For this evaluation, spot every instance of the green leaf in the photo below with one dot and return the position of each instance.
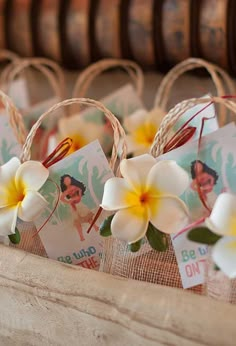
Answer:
(105, 228)
(203, 235)
(157, 239)
(135, 246)
(216, 268)
(15, 238)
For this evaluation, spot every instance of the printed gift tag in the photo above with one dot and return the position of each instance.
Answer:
(91, 124)
(18, 91)
(121, 103)
(210, 125)
(216, 163)
(74, 192)
(9, 146)
(31, 115)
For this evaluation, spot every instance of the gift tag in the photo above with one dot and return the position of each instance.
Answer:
(9, 145)
(216, 162)
(202, 112)
(91, 123)
(31, 114)
(18, 92)
(121, 103)
(74, 192)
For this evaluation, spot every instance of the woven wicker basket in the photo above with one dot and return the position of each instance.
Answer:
(51, 303)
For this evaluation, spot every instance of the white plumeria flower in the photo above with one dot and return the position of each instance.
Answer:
(80, 131)
(141, 127)
(147, 193)
(19, 197)
(222, 221)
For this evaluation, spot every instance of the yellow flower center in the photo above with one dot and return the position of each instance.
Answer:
(143, 199)
(78, 142)
(145, 134)
(232, 245)
(13, 195)
(232, 230)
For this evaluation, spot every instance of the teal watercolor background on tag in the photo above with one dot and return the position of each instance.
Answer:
(9, 146)
(210, 125)
(61, 237)
(85, 169)
(218, 152)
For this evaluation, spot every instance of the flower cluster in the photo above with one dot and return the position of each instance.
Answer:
(220, 232)
(19, 196)
(146, 198)
(141, 128)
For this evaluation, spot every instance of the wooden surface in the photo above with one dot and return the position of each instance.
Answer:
(19, 31)
(107, 29)
(77, 41)
(176, 30)
(213, 38)
(47, 35)
(49, 303)
(140, 30)
(2, 24)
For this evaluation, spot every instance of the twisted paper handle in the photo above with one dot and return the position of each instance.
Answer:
(15, 118)
(8, 55)
(48, 68)
(119, 145)
(223, 83)
(85, 79)
(175, 113)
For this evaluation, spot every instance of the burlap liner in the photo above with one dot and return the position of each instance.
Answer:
(218, 285)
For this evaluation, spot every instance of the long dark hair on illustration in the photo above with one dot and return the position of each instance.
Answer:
(205, 169)
(74, 182)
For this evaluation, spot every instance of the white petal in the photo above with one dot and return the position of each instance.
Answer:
(68, 126)
(224, 256)
(170, 216)
(135, 148)
(8, 217)
(168, 177)
(31, 206)
(93, 132)
(223, 216)
(135, 119)
(130, 224)
(77, 126)
(31, 175)
(156, 115)
(118, 194)
(52, 144)
(8, 170)
(136, 170)
(7, 182)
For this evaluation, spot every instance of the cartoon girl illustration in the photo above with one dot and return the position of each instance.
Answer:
(204, 177)
(72, 192)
